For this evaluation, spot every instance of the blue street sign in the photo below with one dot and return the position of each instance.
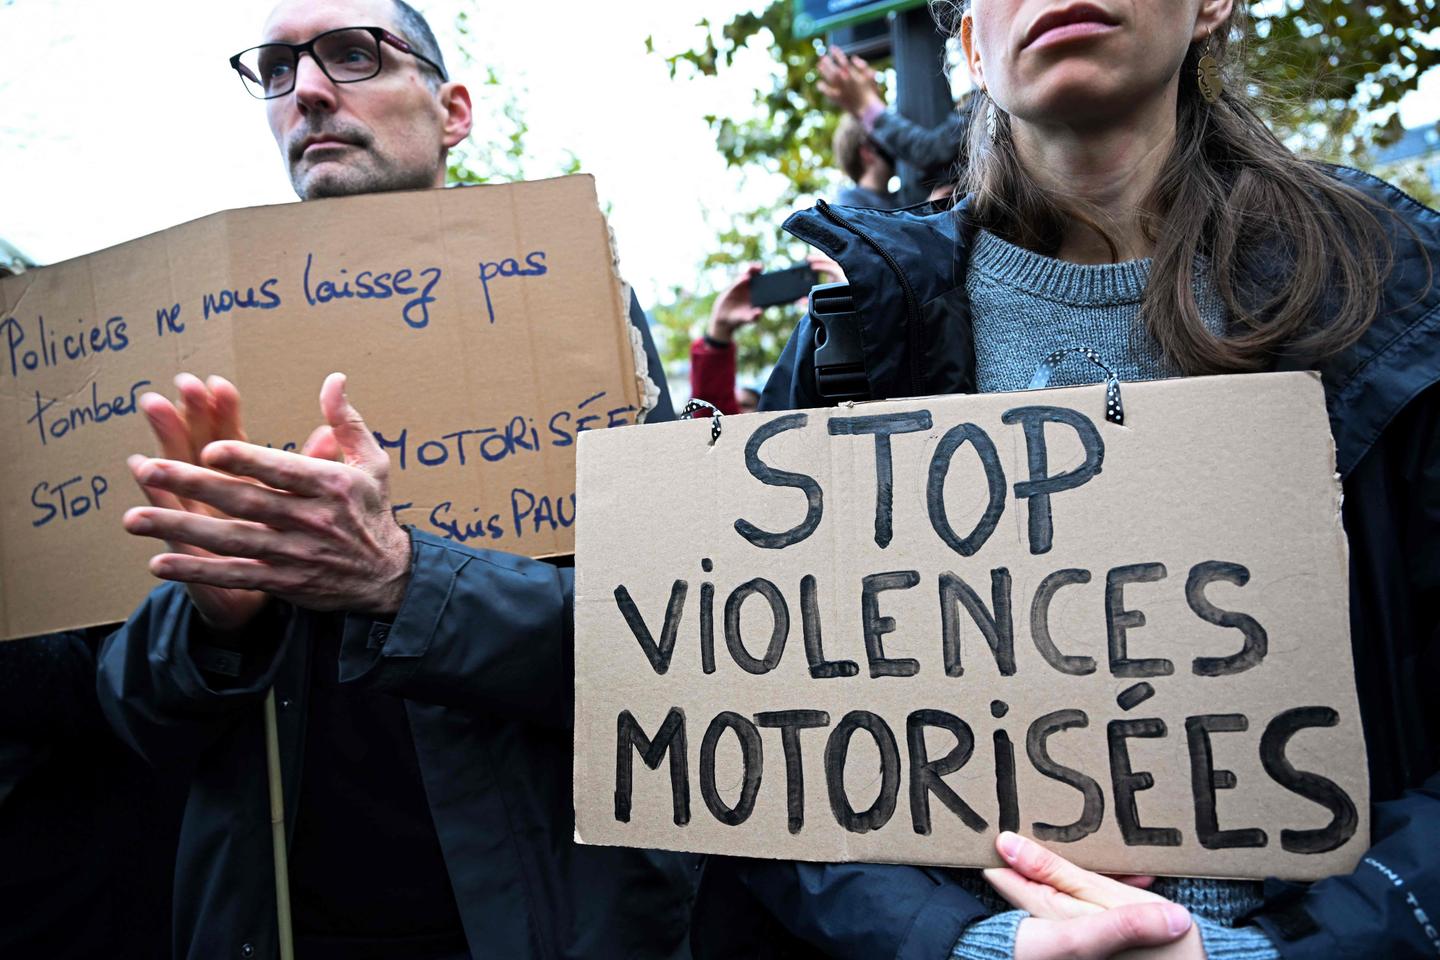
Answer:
(813, 17)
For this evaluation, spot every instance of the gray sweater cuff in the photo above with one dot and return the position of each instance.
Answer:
(1235, 943)
(990, 939)
(994, 939)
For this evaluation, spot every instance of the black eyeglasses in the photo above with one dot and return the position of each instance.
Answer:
(347, 55)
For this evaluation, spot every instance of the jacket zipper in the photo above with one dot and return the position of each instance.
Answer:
(912, 303)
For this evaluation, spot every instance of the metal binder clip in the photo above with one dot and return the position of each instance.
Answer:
(694, 404)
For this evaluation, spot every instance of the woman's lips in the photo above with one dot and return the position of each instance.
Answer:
(1070, 31)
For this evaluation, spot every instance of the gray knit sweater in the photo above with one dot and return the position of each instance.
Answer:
(1023, 307)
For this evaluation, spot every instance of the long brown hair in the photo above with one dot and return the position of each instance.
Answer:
(1230, 191)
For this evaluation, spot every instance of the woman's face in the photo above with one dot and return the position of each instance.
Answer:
(1082, 62)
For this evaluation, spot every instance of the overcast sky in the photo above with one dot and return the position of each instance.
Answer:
(119, 119)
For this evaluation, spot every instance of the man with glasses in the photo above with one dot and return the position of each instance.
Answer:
(424, 688)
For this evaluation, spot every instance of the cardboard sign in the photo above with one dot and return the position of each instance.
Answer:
(887, 631)
(482, 330)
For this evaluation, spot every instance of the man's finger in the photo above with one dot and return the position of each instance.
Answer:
(1101, 935)
(234, 497)
(197, 409)
(355, 439)
(226, 401)
(224, 538)
(322, 445)
(171, 434)
(157, 497)
(213, 571)
(280, 469)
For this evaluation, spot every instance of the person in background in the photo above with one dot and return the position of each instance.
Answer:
(87, 829)
(937, 152)
(424, 689)
(712, 354)
(747, 397)
(866, 164)
(1125, 196)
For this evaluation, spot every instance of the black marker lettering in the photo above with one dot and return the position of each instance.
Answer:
(770, 476)
(1126, 783)
(790, 723)
(1311, 786)
(837, 748)
(881, 426)
(927, 776)
(1205, 780)
(1040, 623)
(820, 668)
(1037, 747)
(945, 451)
(875, 626)
(658, 654)
(1007, 796)
(1041, 485)
(752, 760)
(995, 622)
(671, 739)
(779, 613)
(1118, 621)
(1257, 642)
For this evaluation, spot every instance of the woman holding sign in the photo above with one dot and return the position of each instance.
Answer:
(1123, 196)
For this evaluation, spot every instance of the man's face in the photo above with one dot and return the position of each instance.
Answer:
(390, 132)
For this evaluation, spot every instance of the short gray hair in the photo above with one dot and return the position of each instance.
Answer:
(415, 29)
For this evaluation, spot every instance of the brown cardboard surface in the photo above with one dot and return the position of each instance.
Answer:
(477, 378)
(1236, 471)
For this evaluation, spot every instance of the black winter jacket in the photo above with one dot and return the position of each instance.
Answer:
(481, 653)
(907, 274)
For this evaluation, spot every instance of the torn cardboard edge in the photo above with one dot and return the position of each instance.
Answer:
(645, 384)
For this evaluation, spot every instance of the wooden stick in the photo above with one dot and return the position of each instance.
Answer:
(277, 829)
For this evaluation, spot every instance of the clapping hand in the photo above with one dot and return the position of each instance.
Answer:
(243, 521)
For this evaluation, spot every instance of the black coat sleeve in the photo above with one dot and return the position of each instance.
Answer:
(47, 688)
(937, 150)
(479, 630)
(792, 382)
(169, 686)
(1389, 906)
(864, 910)
(664, 410)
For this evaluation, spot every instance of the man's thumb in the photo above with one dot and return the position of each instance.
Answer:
(355, 439)
(1133, 925)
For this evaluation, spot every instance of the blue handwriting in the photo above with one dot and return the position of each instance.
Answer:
(368, 285)
(510, 267)
(518, 435)
(227, 300)
(46, 347)
(529, 514)
(59, 500)
(58, 425)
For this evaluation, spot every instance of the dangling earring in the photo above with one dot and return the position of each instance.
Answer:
(991, 123)
(1207, 75)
